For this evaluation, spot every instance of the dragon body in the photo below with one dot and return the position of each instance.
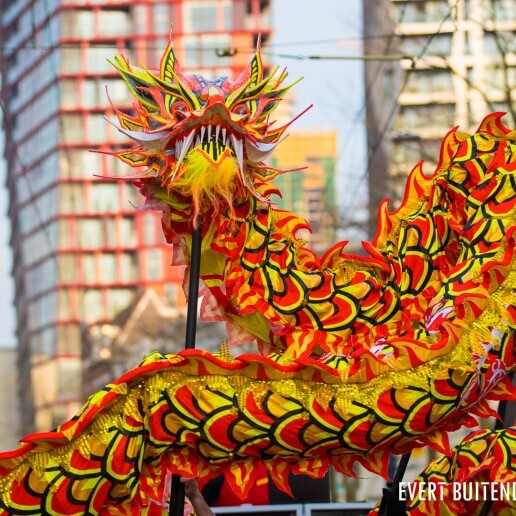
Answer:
(361, 356)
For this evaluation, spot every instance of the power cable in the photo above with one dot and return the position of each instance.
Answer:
(178, 46)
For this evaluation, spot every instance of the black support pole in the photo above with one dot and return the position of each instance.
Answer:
(390, 504)
(177, 491)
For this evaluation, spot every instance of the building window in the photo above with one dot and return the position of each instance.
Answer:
(90, 233)
(97, 128)
(200, 16)
(68, 370)
(71, 198)
(439, 45)
(117, 90)
(44, 309)
(68, 338)
(499, 43)
(68, 93)
(128, 270)
(208, 16)
(31, 217)
(153, 263)
(498, 9)
(418, 117)
(496, 77)
(41, 278)
(127, 232)
(104, 197)
(84, 162)
(88, 268)
(161, 18)
(428, 81)
(132, 197)
(107, 268)
(407, 151)
(47, 341)
(70, 58)
(72, 128)
(201, 50)
(78, 23)
(114, 22)
(67, 268)
(91, 305)
(97, 57)
(64, 234)
(64, 305)
(430, 151)
(149, 228)
(119, 299)
(417, 11)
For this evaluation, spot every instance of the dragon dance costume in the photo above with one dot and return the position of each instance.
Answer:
(360, 356)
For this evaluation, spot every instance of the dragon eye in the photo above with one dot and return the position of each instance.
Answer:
(179, 109)
(241, 109)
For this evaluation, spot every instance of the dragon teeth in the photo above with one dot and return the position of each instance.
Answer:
(239, 152)
(182, 147)
(206, 134)
(209, 132)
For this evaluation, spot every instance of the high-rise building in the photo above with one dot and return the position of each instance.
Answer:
(453, 62)
(82, 252)
(309, 193)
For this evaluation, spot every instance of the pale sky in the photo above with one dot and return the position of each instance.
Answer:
(322, 28)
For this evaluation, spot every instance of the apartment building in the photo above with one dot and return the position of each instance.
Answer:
(82, 252)
(446, 63)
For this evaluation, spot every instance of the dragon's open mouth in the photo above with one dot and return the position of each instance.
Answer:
(214, 142)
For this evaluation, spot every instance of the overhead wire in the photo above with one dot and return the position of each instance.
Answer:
(270, 45)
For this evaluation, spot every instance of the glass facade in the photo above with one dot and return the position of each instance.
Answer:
(82, 252)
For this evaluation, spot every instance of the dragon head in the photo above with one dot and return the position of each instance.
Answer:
(204, 139)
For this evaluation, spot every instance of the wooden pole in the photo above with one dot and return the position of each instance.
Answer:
(177, 491)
